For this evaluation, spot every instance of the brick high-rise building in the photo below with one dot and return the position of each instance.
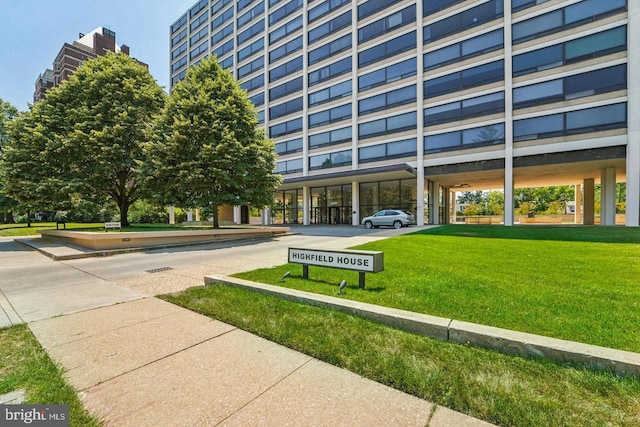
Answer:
(71, 56)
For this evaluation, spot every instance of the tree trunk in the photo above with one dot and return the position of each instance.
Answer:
(28, 218)
(216, 223)
(124, 212)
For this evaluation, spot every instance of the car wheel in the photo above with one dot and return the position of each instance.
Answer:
(397, 224)
(368, 225)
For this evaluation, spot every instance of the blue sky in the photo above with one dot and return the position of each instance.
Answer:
(33, 31)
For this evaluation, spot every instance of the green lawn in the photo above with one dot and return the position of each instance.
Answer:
(25, 365)
(575, 283)
(502, 389)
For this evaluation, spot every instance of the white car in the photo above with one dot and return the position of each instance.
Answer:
(395, 218)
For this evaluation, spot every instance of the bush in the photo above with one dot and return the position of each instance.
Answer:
(146, 212)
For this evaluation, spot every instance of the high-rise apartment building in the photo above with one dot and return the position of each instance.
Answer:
(97, 43)
(380, 104)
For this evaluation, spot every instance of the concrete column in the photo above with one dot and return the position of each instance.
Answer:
(633, 115)
(172, 215)
(189, 215)
(306, 205)
(454, 204)
(608, 196)
(446, 211)
(355, 203)
(237, 215)
(589, 199)
(420, 220)
(508, 120)
(434, 202)
(577, 216)
(197, 214)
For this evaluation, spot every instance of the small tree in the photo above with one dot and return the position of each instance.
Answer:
(7, 114)
(208, 150)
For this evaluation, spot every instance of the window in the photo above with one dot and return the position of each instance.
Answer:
(285, 89)
(329, 49)
(389, 23)
(324, 8)
(285, 128)
(198, 36)
(222, 34)
(202, 49)
(227, 62)
(336, 91)
(572, 122)
(394, 72)
(567, 17)
(257, 99)
(390, 150)
(429, 7)
(178, 38)
(198, 7)
(285, 30)
(332, 137)
(179, 24)
(256, 82)
(250, 32)
(220, 19)
(284, 50)
(332, 115)
(201, 20)
(223, 49)
(464, 20)
(289, 166)
(330, 71)
(175, 79)
(179, 51)
(217, 6)
(383, 101)
(256, 11)
(581, 49)
(406, 121)
(374, 6)
(330, 160)
(465, 139)
(179, 64)
(249, 50)
(329, 27)
(459, 110)
(571, 87)
(255, 65)
(286, 69)
(466, 49)
(291, 146)
(242, 4)
(465, 79)
(285, 108)
(385, 50)
(284, 11)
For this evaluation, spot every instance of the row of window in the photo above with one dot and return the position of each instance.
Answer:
(389, 74)
(285, 29)
(242, 4)
(222, 34)
(567, 17)
(179, 51)
(252, 31)
(332, 115)
(339, 45)
(330, 27)
(249, 50)
(221, 19)
(390, 48)
(254, 12)
(324, 8)
(199, 21)
(255, 65)
(291, 126)
(390, 150)
(285, 11)
(330, 137)
(203, 48)
(198, 7)
(383, 101)
(330, 93)
(465, 79)
(572, 122)
(399, 123)
(339, 158)
(291, 146)
(388, 23)
(330, 71)
(478, 45)
(285, 108)
(286, 49)
(285, 89)
(254, 83)
(459, 110)
(285, 69)
(223, 49)
(465, 139)
(462, 21)
(257, 99)
(374, 6)
(198, 36)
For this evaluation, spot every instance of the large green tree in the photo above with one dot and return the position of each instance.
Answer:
(94, 126)
(208, 149)
(7, 114)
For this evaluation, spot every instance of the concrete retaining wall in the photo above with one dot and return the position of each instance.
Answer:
(503, 340)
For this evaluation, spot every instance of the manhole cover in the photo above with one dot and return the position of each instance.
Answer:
(158, 270)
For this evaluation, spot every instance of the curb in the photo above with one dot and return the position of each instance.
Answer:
(503, 340)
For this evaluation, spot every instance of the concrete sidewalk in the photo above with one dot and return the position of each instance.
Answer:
(140, 361)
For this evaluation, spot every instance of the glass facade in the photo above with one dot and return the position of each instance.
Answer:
(342, 93)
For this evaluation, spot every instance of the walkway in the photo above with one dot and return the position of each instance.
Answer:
(141, 361)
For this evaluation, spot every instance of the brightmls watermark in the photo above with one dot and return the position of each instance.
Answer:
(34, 415)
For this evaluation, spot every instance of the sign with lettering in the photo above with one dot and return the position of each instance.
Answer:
(364, 261)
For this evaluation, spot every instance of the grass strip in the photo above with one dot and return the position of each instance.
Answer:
(573, 283)
(25, 365)
(501, 389)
